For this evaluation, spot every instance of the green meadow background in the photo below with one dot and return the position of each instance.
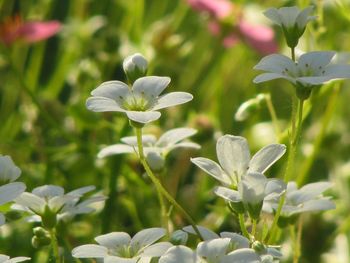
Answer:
(47, 130)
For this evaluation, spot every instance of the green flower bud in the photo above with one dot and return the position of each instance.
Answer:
(179, 237)
(39, 242)
(135, 66)
(40, 232)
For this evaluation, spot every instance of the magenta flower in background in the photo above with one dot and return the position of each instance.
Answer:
(259, 37)
(216, 8)
(14, 29)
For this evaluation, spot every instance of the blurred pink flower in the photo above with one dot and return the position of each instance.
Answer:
(14, 29)
(259, 37)
(217, 8)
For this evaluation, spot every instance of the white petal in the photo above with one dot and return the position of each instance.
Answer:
(206, 233)
(266, 157)
(275, 186)
(309, 192)
(212, 168)
(114, 259)
(150, 86)
(157, 250)
(238, 241)
(289, 15)
(89, 251)
(143, 116)
(243, 255)
(228, 194)
(173, 136)
(315, 59)
(33, 202)
(213, 250)
(115, 149)
(317, 205)
(113, 240)
(274, 252)
(172, 99)
(3, 257)
(147, 140)
(179, 254)
(10, 191)
(313, 81)
(9, 172)
(17, 259)
(56, 203)
(233, 154)
(253, 188)
(272, 13)
(111, 89)
(338, 71)
(271, 76)
(48, 191)
(276, 63)
(101, 104)
(304, 17)
(146, 237)
(82, 190)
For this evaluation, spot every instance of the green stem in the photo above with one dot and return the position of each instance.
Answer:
(273, 115)
(165, 218)
(159, 186)
(274, 226)
(254, 227)
(242, 225)
(293, 53)
(303, 175)
(54, 245)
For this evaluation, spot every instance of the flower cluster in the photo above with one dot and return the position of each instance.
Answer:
(49, 204)
(141, 101)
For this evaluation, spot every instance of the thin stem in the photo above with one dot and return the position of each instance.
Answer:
(242, 225)
(297, 252)
(254, 227)
(159, 186)
(273, 114)
(164, 215)
(293, 53)
(54, 245)
(274, 226)
(304, 173)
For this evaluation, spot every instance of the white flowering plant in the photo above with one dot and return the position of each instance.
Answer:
(249, 167)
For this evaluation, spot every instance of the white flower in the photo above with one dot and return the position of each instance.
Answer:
(230, 247)
(308, 198)
(312, 69)
(140, 103)
(252, 190)
(292, 20)
(9, 172)
(235, 161)
(120, 247)
(6, 259)
(9, 190)
(178, 254)
(135, 66)
(155, 150)
(49, 203)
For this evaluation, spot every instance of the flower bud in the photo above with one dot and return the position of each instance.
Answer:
(179, 237)
(135, 66)
(246, 109)
(40, 232)
(38, 242)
